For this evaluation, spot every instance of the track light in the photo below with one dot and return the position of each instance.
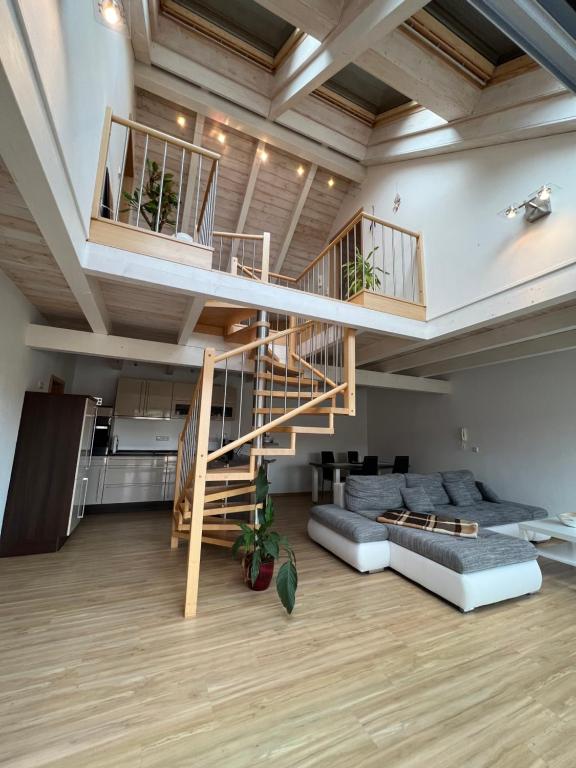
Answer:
(536, 206)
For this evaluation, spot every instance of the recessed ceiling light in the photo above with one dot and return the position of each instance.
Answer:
(181, 120)
(111, 12)
(331, 182)
(264, 155)
(221, 138)
(300, 170)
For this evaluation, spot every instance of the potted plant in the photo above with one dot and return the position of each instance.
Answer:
(157, 193)
(263, 546)
(361, 274)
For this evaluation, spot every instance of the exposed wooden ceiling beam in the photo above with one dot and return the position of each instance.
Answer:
(293, 223)
(51, 339)
(523, 329)
(406, 383)
(362, 24)
(547, 345)
(140, 30)
(317, 17)
(248, 194)
(193, 312)
(531, 27)
(421, 73)
(169, 86)
(32, 155)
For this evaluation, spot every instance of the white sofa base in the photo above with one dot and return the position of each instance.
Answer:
(465, 590)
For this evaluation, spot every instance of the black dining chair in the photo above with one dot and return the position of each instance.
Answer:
(401, 465)
(353, 457)
(369, 466)
(327, 457)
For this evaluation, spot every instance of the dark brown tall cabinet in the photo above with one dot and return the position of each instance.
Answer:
(50, 473)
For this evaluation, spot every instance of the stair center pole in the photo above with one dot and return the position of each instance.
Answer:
(262, 331)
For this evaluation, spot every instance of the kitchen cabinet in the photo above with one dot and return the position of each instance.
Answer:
(182, 392)
(170, 478)
(144, 398)
(49, 481)
(132, 479)
(96, 474)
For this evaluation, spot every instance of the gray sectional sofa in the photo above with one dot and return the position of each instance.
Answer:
(496, 566)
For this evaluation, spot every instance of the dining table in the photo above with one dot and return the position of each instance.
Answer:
(337, 468)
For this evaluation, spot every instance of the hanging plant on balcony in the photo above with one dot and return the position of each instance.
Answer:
(361, 274)
(157, 193)
(262, 547)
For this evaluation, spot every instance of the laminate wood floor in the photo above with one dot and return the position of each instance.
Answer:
(99, 669)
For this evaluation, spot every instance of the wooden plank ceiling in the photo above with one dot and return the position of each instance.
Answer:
(26, 260)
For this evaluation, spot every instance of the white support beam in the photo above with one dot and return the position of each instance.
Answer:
(190, 96)
(247, 201)
(537, 32)
(297, 212)
(552, 115)
(386, 346)
(523, 329)
(363, 23)
(406, 383)
(422, 74)
(133, 268)
(317, 17)
(31, 154)
(140, 30)
(193, 312)
(47, 338)
(546, 345)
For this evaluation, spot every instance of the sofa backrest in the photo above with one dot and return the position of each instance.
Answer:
(432, 484)
(376, 492)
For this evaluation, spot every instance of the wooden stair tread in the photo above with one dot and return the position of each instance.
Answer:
(305, 381)
(279, 365)
(304, 430)
(318, 411)
(290, 395)
(232, 509)
(244, 334)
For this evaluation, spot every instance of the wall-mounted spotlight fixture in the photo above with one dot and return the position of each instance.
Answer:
(112, 14)
(536, 206)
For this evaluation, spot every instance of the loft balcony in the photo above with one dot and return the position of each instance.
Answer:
(162, 203)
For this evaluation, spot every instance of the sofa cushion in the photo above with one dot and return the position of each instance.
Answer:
(459, 494)
(348, 524)
(417, 500)
(486, 513)
(463, 476)
(488, 493)
(464, 555)
(431, 483)
(373, 492)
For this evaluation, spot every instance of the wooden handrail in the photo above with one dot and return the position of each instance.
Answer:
(237, 236)
(270, 274)
(166, 137)
(276, 422)
(261, 342)
(349, 226)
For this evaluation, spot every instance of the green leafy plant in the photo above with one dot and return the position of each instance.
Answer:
(157, 193)
(262, 544)
(361, 274)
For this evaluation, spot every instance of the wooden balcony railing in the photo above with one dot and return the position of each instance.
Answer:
(151, 183)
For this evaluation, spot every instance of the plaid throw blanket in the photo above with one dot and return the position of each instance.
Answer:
(428, 522)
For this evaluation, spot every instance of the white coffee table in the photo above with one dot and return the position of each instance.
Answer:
(565, 550)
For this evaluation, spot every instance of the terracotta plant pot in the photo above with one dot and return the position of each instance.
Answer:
(264, 575)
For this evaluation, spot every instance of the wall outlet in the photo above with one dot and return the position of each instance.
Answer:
(162, 438)
(475, 449)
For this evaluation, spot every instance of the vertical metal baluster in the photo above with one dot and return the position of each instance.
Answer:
(243, 251)
(286, 375)
(198, 183)
(355, 264)
(213, 211)
(161, 186)
(413, 252)
(220, 256)
(403, 264)
(142, 179)
(341, 273)
(299, 347)
(180, 190)
(374, 283)
(384, 262)
(272, 383)
(122, 172)
(325, 354)
(254, 258)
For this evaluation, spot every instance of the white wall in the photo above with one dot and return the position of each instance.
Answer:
(20, 369)
(84, 67)
(470, 252)
(521, 415)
